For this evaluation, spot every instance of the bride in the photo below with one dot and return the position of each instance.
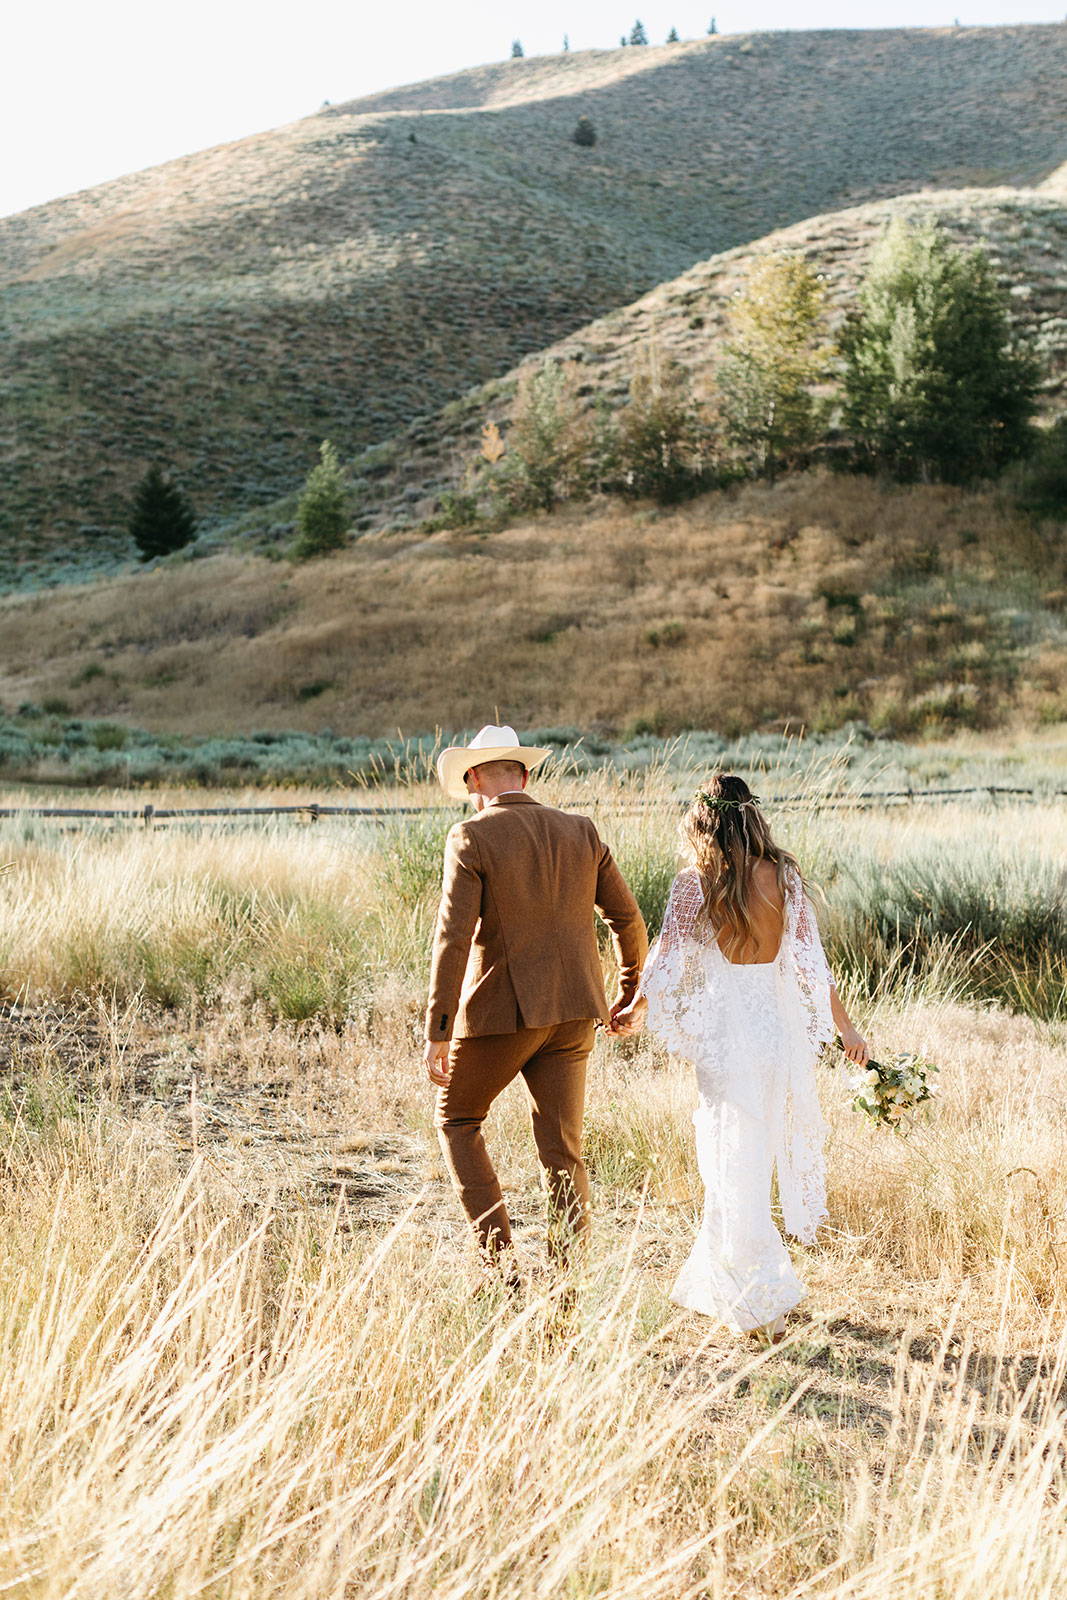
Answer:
(738, 986)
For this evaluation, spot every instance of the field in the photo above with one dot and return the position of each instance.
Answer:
(241, 1352)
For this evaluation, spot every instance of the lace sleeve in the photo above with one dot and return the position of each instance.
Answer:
(812, 971)
(674, 979)
(684, 905)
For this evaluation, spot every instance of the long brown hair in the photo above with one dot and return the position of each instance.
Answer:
(728, 834)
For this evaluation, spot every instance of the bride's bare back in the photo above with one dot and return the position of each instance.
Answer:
(766, 908)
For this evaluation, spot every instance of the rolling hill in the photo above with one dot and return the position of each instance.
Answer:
(817, 600)
(352, 274)
(1024, 231)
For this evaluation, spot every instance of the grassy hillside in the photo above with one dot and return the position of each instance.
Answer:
(1024, 231)
(817, 600)
(368, 264)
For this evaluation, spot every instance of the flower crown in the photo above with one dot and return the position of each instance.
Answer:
(718, 802)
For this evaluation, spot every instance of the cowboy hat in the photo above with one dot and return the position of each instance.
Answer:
(490, 744)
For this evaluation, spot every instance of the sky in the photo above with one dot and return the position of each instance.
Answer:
(93, 89)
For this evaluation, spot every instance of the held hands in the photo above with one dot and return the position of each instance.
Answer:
(435, 1060)
(627, 1019)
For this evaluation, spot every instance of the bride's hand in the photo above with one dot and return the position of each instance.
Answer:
(628, 1019)
(855, 1046)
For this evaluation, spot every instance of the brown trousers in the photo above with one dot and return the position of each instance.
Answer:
(552, 1061)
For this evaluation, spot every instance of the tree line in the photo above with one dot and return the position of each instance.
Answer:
(924, 382)
(638, 35)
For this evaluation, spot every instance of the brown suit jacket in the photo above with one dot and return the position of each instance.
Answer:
(515, 945)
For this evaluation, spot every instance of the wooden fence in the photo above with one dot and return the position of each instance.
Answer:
(149, 815)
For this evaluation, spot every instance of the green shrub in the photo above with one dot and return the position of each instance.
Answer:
(648, 863)
(999, 919)
(457, 508)
(1039, 484)
(411, 859)
(547, 447)
(661, 440)
(109, 736)
(775, 355)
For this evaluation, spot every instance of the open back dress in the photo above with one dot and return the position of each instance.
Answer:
(752, 1033)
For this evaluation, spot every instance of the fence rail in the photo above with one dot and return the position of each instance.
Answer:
(149, 815)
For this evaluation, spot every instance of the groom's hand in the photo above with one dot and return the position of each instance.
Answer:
(435, 1060)
(627, 1019)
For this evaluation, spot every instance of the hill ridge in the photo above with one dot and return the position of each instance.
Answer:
(356, 269)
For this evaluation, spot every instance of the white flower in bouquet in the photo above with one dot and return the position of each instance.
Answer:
(889, 1091)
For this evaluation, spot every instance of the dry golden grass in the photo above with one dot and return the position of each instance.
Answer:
(239, 1352)
(218, 1379)
(812, 601)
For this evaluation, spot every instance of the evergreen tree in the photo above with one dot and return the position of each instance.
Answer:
(584, 132)
(935, 389)
(517, 52)
(162, 518)
(622, 41)
(322, 516)
(773, 358)
(712, 26)
(638, 34)
(672, 37)
(566, 43)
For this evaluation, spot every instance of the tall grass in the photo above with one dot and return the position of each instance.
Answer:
(204, 1391)
(1002, 915)
(303, 923)
(216, 1382)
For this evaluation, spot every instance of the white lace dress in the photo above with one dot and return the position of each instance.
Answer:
(753, 1034)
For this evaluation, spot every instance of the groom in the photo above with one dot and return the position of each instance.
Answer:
(516, 983)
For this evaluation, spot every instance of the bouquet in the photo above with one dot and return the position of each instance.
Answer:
(889, 1091)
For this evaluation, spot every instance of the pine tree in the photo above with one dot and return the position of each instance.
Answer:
(935, 388)
(322, 516)
(774, 356)
(584, 133)
(517, 52)
(162, 518)
(566, 43)
(713, 26)
(638, 34)
(672, 37)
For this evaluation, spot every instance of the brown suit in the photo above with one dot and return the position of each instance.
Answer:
(516, 984)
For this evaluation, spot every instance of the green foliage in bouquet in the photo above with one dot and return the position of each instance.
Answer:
(889, 1091)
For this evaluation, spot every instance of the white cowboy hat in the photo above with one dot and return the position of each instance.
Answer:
(490, 744)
